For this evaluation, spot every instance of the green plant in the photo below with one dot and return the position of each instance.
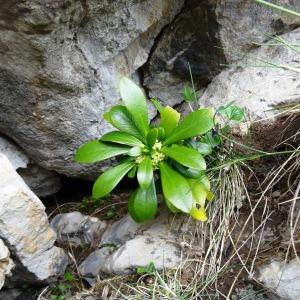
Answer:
(62, 289)
(278, 7)
(149, 269)
(165, 148)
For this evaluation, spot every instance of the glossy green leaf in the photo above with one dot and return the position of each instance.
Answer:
(94, 151)
(169, 119)
(157, 105)
(211, 139)
(175, 188)
(196, 123)
(131, 209)
(188, 157)
(107, 181)
(188, 172)
(189, 94)
(120, 137)
(132, 172)
(232, 112)
(198, 190)
(122, 120)
(205, 181)
(135, 151)
(145, 173)
(143, 204)
(198, 212)
(203, 148)
(171, 207)
(161, 134)
(152, 137)
(135, 101)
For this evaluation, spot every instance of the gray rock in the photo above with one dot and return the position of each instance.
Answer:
(60, 67)
(283, 279)
(127, 245)
(259, 89)
(25, 230)
(93, 265)
(209, 35)
(140, 251)
(27, 293)
(245, 25)
(191, 39)
(42, 182)
(77, 229)
(15, 155)
(6, 263)
(121, 231)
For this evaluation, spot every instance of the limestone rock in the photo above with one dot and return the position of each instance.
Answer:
(60, 65)
(283, 279)
(245, 25)
(6, 264)
(25, 229)
(128, 245)
(209, 35)
(140, 251)
(77, 229)
(191, 39)
(41, 181)
(259, 89)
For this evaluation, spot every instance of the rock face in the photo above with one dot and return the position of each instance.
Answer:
(61, 61)
(42, 182)
(128, 245)
(284, 279)
(209, 35)
(259, 89)
(25, 230)
(60, 65)
(191, 39)
(77, 229)
(6, 264)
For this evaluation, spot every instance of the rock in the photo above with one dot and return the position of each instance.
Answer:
(6, 264)
(15, 155)
(283, 279)
(60, 67)
(121, 231)
(77, 229)
(93, 265)
(26, 293)
(209, 35)
(140, 251)
(128, 245)
(245, 25)
(25, 230)
(41, 181)
(260, 90)
(191, 39)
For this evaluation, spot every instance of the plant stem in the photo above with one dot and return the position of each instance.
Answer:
(252, 157)
(192, 81)
(272, 5)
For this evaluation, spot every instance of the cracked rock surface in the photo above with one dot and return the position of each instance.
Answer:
(210, 35)
(60, 64)
(77, 229)
(127, 245)
(259, 90)
(6, 263)
(25, 230)
(41, 181)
